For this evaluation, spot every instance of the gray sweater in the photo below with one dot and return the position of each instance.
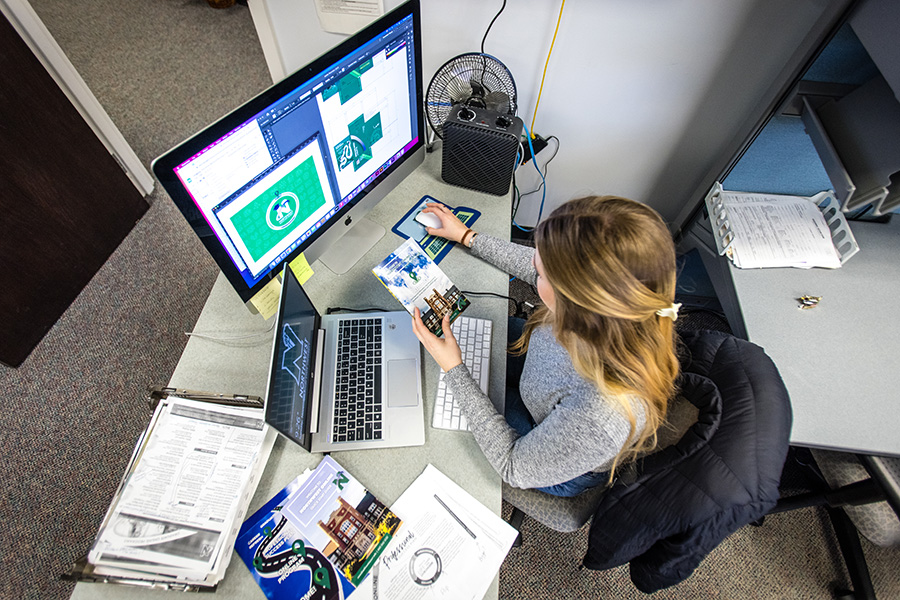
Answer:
(578, 430)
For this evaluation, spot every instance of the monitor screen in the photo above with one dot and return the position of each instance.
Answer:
(267, 181)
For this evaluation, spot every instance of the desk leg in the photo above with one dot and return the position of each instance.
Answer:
(717, 269)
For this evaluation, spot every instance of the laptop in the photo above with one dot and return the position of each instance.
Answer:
(343, 382)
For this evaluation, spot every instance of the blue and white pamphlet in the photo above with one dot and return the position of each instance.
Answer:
(417, 282)
(317, 538)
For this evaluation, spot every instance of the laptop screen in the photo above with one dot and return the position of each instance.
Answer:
(289, 396)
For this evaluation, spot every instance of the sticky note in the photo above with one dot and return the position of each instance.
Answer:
(302, 270)
(266, 299)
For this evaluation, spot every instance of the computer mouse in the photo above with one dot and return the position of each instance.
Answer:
(429, 220)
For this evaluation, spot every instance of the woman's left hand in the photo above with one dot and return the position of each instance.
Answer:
(445, 352)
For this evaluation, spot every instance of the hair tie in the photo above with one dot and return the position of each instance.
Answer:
(671, 312)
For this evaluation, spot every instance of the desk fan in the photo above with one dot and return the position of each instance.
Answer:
(471, 106)
(475, 80)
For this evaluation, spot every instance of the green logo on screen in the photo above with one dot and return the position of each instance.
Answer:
(282, 211)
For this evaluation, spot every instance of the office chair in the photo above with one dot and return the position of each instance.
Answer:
(731, 455)
(861, 495)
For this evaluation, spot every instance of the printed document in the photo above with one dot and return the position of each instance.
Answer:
(450, 545)
(176, 512)
(777, 231)
(347, 16)
(417, 282)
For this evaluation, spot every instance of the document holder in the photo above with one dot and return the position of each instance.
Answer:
(758, 230)
(87, 571)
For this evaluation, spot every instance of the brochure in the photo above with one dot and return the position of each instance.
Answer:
(416, 281)
(435, 247)
(317, 538)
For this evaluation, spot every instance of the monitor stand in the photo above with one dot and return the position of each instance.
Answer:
(354, 244)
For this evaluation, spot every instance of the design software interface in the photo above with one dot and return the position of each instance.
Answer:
(272, 182)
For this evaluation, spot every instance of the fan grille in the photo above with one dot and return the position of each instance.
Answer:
(473, 79)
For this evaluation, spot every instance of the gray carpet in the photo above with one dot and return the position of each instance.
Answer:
(164, 69)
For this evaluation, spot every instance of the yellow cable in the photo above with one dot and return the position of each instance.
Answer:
(536, 104)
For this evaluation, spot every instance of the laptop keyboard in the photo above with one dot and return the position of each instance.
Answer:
(474, 337)
(357, 407)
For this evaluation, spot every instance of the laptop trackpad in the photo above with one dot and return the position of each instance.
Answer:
(402, 383)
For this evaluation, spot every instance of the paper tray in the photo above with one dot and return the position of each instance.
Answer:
(725, 237)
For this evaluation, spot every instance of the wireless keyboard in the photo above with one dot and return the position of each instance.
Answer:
(474, 337)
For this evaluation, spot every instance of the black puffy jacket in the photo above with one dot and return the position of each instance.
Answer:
(721, 475)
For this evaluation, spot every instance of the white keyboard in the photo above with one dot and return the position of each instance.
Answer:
(474, 337)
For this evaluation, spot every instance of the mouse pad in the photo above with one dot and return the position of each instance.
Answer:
(435, 247)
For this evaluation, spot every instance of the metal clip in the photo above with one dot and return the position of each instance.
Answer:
(808, 302)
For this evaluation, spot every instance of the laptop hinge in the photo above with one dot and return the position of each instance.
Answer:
(317, 381)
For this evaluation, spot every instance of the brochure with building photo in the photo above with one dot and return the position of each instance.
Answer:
(416, 281)
(318, 537)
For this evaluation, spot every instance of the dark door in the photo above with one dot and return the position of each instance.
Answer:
(65, 204)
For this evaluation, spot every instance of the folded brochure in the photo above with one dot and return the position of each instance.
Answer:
(416, 281)
(317, 538)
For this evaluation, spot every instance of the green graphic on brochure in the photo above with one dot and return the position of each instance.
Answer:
(279, 210)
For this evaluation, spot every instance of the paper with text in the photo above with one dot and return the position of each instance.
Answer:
(778, 231)
(450, 546)
(177, 510)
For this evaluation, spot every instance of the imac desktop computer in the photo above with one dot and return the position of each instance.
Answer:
(295, 169)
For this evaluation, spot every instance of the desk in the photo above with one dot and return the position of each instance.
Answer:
(841, 360)
(242, 367)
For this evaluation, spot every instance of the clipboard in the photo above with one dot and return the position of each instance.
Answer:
(435, 247)
(83, 570)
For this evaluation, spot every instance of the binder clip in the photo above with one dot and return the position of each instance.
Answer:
(806, 302)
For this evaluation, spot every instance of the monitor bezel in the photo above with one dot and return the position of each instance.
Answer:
(164, 166)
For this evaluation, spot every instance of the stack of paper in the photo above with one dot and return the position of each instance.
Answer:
(178, 509)
(767, 230)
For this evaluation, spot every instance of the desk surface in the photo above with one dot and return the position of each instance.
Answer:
(242, 367)
(841, 360)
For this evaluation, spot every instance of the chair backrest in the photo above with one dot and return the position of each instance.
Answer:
(721, 475)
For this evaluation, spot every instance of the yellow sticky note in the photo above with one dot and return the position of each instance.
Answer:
(302, 270)
(266, 299)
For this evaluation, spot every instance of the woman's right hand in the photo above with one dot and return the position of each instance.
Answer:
(451, 227)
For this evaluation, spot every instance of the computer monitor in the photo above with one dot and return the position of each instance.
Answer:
(297, 167)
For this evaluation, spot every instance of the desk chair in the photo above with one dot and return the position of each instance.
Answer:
(649, 517)
(861, 495)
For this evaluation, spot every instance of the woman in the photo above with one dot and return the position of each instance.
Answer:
(599, 365)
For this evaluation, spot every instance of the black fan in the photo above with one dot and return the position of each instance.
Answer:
(474, 79)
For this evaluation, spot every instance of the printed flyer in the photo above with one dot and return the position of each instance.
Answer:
(416, 281)
(317, 538)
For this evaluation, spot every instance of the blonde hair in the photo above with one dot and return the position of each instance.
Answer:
(611, 264)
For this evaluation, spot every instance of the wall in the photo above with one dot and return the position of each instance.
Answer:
(625, 80)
